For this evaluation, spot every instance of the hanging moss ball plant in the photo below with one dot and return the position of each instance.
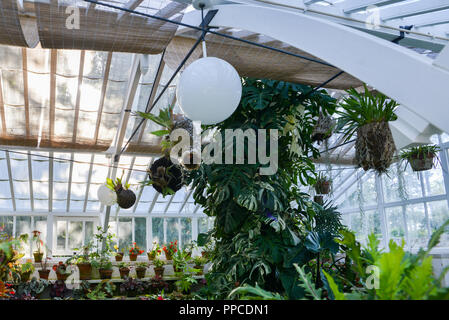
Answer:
(421, 158)
(367, 115)
(125, 197)
(323, 128)
(165, 176)
(322, 185)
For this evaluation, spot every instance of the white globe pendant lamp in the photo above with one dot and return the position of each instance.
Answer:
(106, 196)
(209, 90)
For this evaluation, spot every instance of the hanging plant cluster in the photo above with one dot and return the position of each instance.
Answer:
(322, 184)
(125, 197)
(164, 175)
(421, 158)
(324, 128)
(367, 115)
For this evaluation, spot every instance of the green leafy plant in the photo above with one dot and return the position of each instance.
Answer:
(360, 109)
(420, 157)
(104, 289)
(158, 263)
(186, 281)
(199, 261)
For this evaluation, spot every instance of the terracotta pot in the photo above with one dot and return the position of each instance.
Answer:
(201, 268)
(168, 256)
(43, 274)
(105, 273)
(159, 271)
(140, 272)
(62, 276)
(38, 256)
(323, 187)
(151, 256)
(85, 271)
(133, 257)
(124, 272)
(422, 162)
(119, 257)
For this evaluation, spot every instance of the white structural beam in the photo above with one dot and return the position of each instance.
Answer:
(425, 20)
(412, 8)
(309, 2)
(131, 5)
(350, 6)
(398, 72)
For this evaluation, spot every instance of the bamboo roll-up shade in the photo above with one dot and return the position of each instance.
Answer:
(103, 30)
(256, 62)
(16, 31)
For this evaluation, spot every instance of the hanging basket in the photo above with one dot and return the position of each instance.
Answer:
(323, 187)
(422, 162)
(323, 128)
(318, 199)
(374, 147)
(164, 173)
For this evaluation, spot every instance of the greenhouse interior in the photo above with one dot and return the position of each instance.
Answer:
(224, 150)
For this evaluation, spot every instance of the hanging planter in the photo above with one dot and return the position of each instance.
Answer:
(323, 129)
(421, 158)
(323, 185)
(165, 176)
(125, 197)
(171, 122)
(374, 147)
(367, 116)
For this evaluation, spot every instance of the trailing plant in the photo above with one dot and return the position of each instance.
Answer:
(258, 232)
(368, 115)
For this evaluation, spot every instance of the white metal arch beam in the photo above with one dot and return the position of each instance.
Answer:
(400, 73)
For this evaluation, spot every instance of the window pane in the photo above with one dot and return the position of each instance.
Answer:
(186, 231)
(373, 223)
(140, 232)
(125, 233)
(395, 223)
(60, 235)
(202, 225)
(369, 191)
(89, 231)
(438, 213)
(158, 230)
(6, 224)
(40, 224)
(75, 234)
(172, 229)
(416, 225)
(433, 181)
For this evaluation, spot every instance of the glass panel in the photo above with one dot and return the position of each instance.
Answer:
(416, 225)
(202, 225)
(433, 181)
(6, 225)
(60, 234)
(40, 224)
(373, 224)
(75, 234)
(395, 223)
(140, 232)
(125, 232)
(172, 229)
(158, 230)
(438, 213)
(186, 231)
(88, 232)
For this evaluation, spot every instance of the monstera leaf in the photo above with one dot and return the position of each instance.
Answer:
(318, 242)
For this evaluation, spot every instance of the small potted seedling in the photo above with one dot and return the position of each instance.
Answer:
(61, 271)
(38, 254)
(322, 184)
(154, 252)
(118, 254)
(158, 267)
(44, 271)
(421, 158)
(199, 263)
(123, 268)
(141, 269)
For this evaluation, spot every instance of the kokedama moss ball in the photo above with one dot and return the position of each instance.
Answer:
(164, 173)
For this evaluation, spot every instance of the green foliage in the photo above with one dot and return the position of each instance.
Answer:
(103, 290)
(401, 275)
(360, 109)
(248, 292)
(307, 283)
(419, 152)
(258, 233)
